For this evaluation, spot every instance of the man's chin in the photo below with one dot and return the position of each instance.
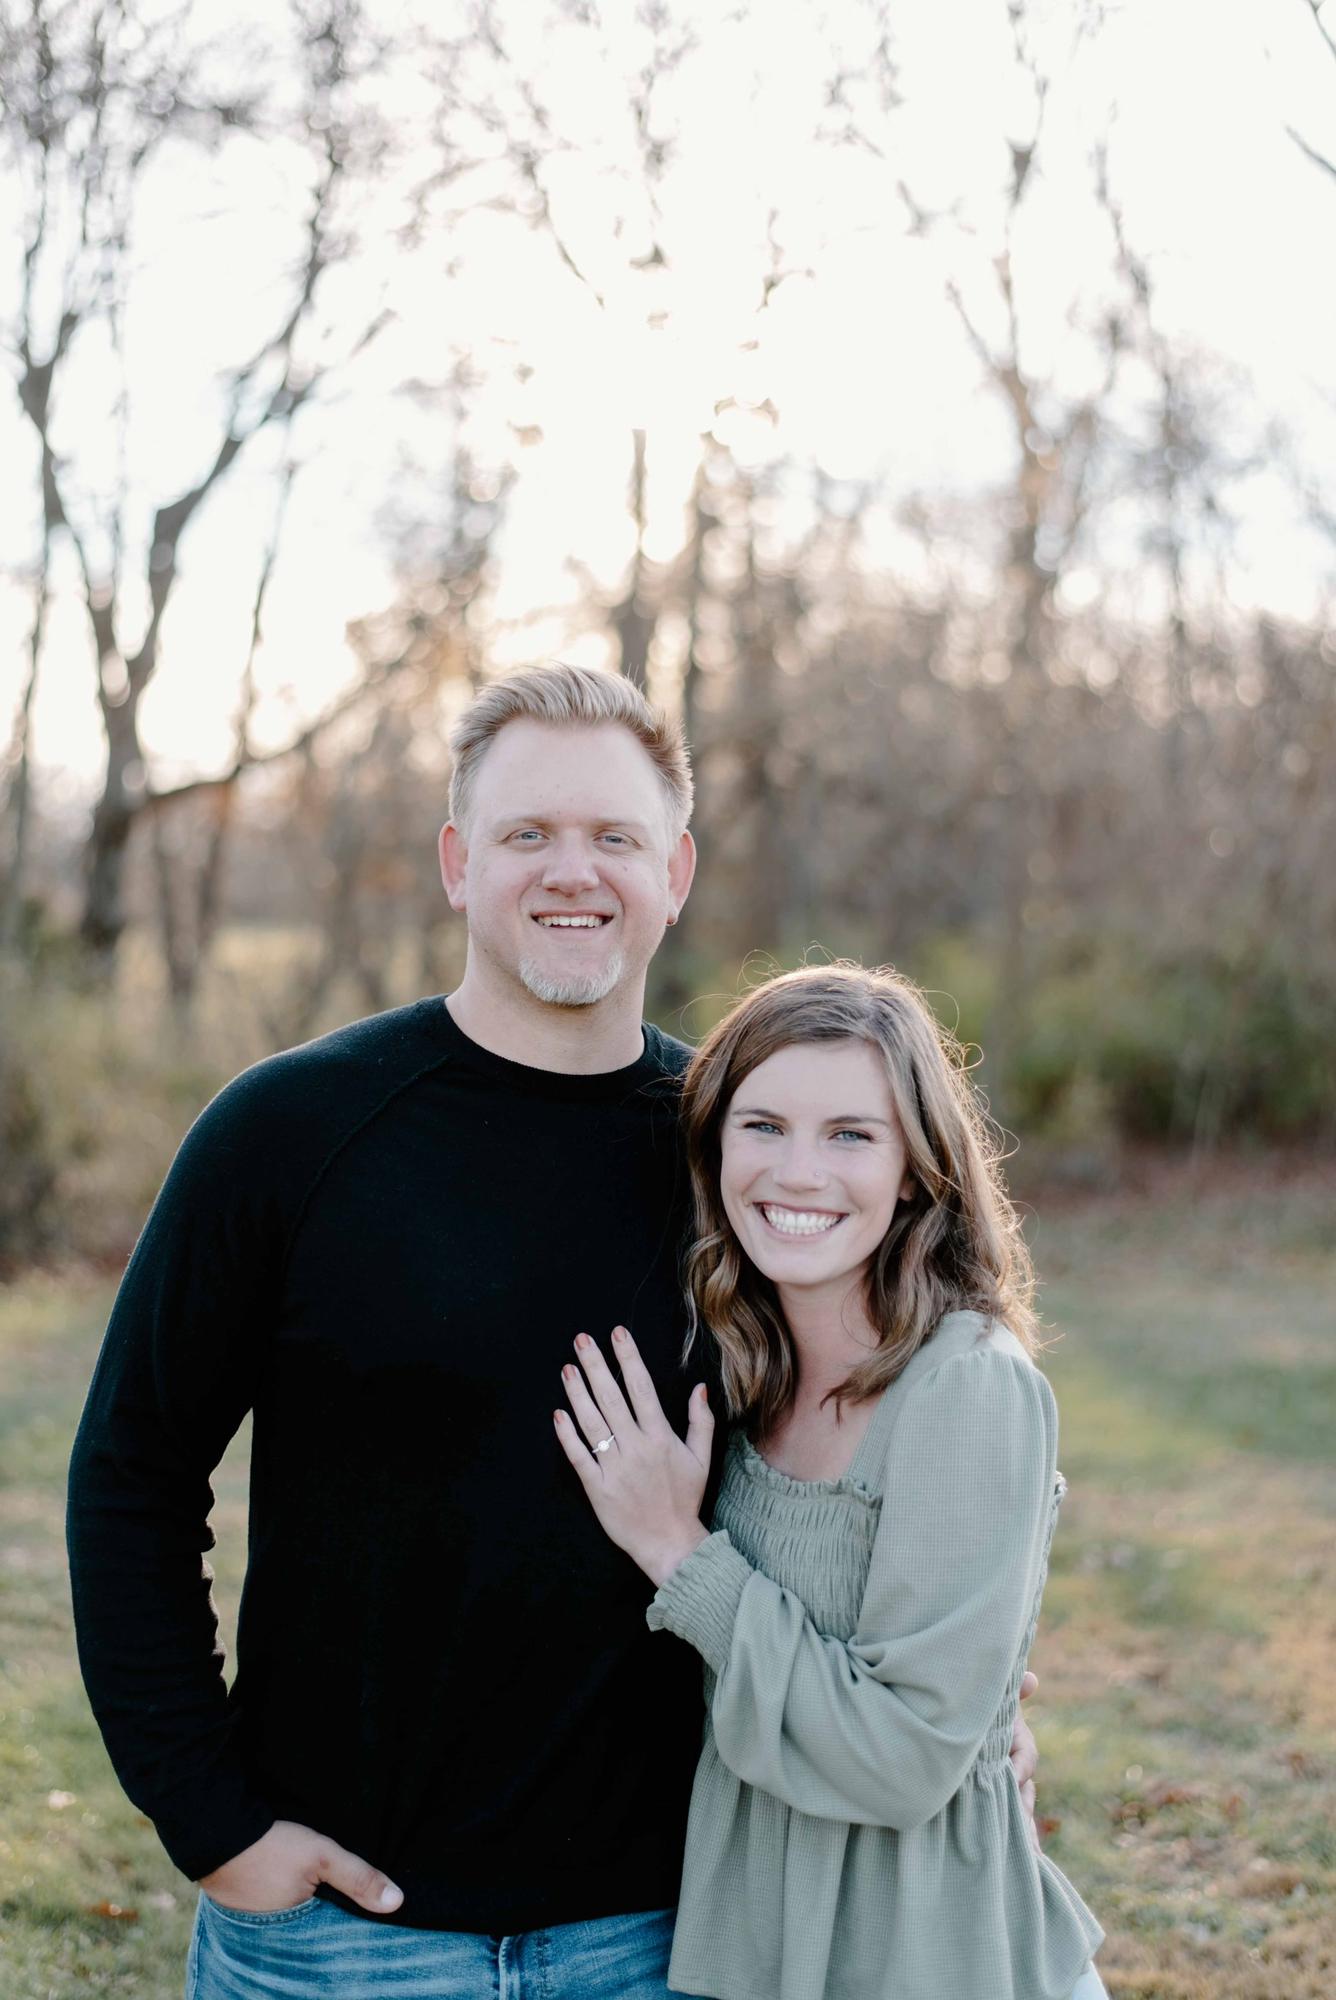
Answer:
(572, 989)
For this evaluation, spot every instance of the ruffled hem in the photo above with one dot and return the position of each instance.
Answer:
(960, 1906)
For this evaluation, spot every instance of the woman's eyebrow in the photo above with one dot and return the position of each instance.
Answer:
(844, 1118)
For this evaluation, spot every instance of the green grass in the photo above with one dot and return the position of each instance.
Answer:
(1187, 1712)
(72, 1847)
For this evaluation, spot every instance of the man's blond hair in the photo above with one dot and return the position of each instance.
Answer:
(568, 697)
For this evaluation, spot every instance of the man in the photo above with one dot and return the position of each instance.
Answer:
(448, 1716)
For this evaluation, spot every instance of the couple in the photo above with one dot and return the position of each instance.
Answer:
(447, 1257)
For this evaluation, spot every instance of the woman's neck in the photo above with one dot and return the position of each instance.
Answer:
(831, 1335)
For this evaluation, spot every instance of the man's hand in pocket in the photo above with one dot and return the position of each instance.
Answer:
(288, 1864)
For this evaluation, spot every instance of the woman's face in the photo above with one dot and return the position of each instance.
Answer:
(813, 1162)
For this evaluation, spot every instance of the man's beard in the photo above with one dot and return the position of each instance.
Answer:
(584, 990)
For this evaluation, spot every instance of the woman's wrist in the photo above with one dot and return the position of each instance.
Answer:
(659, 1562)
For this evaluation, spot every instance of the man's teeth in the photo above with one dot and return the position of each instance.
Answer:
(573, 923)
(799, 1221)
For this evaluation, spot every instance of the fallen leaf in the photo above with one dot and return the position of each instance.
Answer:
(1172, 1795)
(1270, 1879)
(113, 1910)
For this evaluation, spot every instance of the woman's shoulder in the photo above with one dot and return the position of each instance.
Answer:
(973, 1377)
(972, 1337)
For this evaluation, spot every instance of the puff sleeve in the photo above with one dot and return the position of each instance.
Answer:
(883, 1728)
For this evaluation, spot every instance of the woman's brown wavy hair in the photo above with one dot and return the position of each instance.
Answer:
(955, 1243)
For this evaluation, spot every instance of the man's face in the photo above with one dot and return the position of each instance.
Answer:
(567, 870)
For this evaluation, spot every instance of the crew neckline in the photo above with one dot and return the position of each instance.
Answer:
(580, 1085)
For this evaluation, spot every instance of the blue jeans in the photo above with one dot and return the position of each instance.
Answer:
(318, 1950)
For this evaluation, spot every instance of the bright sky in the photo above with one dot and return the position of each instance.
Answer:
(865, 362)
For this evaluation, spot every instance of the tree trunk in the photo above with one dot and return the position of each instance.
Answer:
(109, 839)
(18, 800)
(632, 620)
(673, 976)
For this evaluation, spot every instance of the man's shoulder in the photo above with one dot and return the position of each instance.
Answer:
(311, 1095)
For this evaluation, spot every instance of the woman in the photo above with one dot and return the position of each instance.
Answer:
(866, 1601)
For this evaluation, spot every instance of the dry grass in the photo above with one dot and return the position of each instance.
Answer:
(1189, 1702)
(1187, 1717)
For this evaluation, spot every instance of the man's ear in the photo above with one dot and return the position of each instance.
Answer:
(454, 853)
(681, 870)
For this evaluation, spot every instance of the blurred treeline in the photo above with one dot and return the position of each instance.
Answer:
(1030, 738)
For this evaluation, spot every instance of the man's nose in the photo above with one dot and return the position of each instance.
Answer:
(570, 866)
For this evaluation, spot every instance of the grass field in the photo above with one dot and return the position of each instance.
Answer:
(1187, 1715)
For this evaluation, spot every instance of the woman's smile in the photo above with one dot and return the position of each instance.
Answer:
(795, 1222)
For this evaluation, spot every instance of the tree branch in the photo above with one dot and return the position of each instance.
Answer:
(1318, 159)
(1315, 9)
(345, 705)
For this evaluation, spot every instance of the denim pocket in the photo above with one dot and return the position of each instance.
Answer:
(256, 1918)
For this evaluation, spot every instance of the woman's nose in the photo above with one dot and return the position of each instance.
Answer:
(800, 1168)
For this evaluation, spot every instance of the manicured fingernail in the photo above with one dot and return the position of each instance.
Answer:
(568, 1372)
(557, 1417)
(390, 1897)
(620, 1333)
(583, 1340)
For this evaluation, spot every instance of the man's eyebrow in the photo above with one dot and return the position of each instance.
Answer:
(623, 822)
(844, 1118)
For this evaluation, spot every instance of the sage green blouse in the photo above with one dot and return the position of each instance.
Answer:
(856, 1832)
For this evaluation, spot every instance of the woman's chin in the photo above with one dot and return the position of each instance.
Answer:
(797, 1264)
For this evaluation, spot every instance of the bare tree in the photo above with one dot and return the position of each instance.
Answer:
(1320, 157)
(16, 805)
(93, 100)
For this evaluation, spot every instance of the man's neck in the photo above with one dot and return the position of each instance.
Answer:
(573, 1041)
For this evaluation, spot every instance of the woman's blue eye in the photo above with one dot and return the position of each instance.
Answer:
(760, 1125)
(849, 1133)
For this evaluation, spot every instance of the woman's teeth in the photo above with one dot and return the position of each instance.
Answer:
(799, 1221)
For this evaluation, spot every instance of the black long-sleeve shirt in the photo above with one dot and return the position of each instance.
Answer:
(383, 1244)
